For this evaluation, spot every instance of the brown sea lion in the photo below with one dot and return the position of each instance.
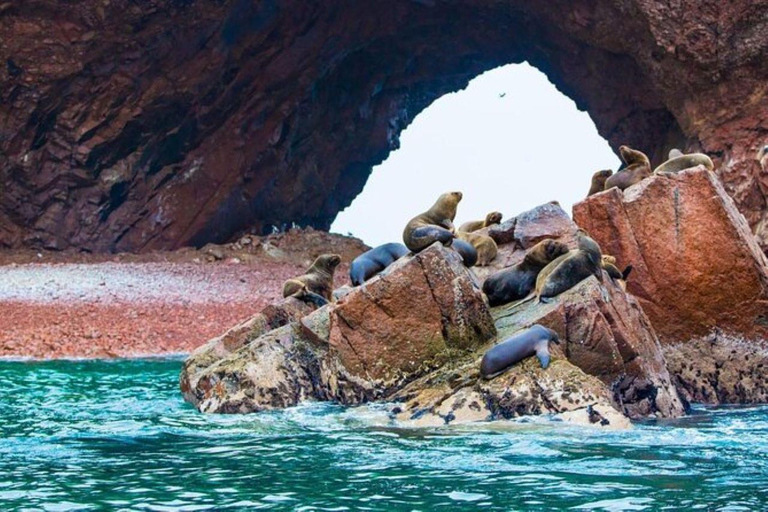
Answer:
(680, 162)
(434, 225)
(518, 282)
(598, 181)
(620, 276)
(473, 225)
(485, 246)
(570, 269)
(638, 168)
(532, 341)
(374, 261)
(317, 284)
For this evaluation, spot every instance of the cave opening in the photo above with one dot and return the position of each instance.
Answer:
(509, 141)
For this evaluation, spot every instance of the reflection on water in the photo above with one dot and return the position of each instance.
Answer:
(97, 434)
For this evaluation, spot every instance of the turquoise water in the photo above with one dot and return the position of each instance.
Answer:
(116, 435)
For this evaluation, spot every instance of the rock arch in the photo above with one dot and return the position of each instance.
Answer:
(137, 126)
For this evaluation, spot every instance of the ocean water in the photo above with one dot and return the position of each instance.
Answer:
(96, 435)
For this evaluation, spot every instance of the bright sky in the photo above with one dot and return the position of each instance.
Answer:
(497, 141)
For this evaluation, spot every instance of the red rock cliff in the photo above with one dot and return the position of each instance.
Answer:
(140, 125)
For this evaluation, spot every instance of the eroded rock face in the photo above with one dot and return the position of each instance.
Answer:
(137, 126)
(720, 369)
(696, 265)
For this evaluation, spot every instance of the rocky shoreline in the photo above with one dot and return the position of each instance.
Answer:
(81, 305)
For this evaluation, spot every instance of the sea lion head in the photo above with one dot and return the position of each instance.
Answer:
(493, 218)
(553, 249)
(589, 246)
(446, 205)
(674, 153)
(633, 156)
(327, 262)
(605, 174)
(607, 258)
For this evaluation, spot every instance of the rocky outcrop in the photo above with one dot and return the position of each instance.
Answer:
(719, 369)
(415, 335)
(377, 337)
(697, 266)
(144, 125)
(605, 333)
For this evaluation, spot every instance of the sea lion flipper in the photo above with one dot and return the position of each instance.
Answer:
(626, 272)
(430, 234)
(543, 355)
(309, 296)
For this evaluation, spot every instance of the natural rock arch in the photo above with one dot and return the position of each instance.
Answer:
(136, 126)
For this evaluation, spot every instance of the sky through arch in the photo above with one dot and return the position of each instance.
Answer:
(509, 141)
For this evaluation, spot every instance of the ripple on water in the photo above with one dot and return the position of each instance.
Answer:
(100, 434)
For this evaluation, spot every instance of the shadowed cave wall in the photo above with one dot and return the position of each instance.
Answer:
(134, 126)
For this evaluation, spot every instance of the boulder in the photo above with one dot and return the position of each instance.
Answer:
(605, 333)
(516, 235)
(271, 317)
(697, 265)
(279, 369)
(422, 311)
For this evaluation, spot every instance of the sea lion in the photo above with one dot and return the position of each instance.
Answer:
(517, 282)
(317, 282)
(434, 225)
(374, 261)
(532, 341)
(473, 225)
(485, 246)
(678, 163)
(466, 250)
(598, 181)
(620, 276)
(570, 269)
(638, 168)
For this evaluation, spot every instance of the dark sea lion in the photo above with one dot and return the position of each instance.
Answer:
(678, 163)
(485, 246)
(434, 225)
(638, 168)
(532, 341)
(466, 250)
(317, 282)
(518, 282)
(374, 261)
(598, 181)
(473, 225)
(570, 269)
